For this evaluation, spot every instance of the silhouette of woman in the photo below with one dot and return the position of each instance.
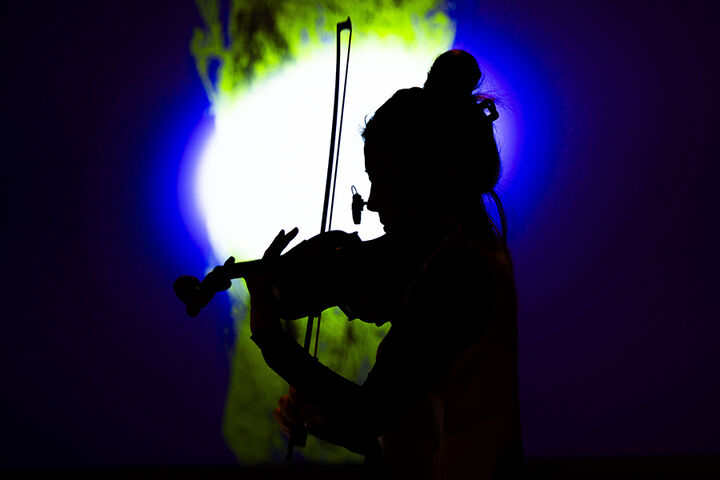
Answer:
(441, 401)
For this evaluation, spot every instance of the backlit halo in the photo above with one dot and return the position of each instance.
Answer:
(263, 167)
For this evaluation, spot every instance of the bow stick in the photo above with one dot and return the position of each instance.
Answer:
(299, 436)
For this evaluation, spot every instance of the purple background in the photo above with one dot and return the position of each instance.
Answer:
(613, 231)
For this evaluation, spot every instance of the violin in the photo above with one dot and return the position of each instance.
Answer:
(305, 278)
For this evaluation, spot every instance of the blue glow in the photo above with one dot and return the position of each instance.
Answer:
(169, 218)
(518, 81)
(186, 175)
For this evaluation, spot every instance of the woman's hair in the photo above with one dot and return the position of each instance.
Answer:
(442, 133)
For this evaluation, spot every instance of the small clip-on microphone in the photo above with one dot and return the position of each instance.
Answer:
(357, 205)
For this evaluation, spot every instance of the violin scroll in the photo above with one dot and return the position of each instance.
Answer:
(196, 294)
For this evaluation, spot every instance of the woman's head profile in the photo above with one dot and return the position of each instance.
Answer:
(434, 148)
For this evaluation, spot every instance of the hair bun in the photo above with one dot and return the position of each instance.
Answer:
(455, 73)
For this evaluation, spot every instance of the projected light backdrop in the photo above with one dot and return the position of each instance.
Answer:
(268, 68)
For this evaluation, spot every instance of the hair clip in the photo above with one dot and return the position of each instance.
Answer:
(489, 105)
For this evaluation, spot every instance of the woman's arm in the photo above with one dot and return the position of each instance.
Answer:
(437, 322)
(341, 404)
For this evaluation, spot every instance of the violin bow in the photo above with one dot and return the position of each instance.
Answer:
(300, 438)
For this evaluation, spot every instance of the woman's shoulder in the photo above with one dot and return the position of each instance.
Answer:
(470, 257)
(457, 277)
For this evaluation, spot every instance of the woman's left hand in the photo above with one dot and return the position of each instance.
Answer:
(264, 313)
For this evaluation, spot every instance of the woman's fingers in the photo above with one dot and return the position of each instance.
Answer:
(301, 405)
(292, 413)
(289, 410)
(295, 396)
(287, 414)
(284, 425)
(308, 412)
(281, 241)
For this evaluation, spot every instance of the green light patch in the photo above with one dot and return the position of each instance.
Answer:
(268, 69)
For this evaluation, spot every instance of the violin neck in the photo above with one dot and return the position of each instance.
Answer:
(240, 269)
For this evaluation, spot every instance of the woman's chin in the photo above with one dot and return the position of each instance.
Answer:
(387, 221)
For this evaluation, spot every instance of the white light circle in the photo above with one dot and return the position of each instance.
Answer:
(264, 167)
